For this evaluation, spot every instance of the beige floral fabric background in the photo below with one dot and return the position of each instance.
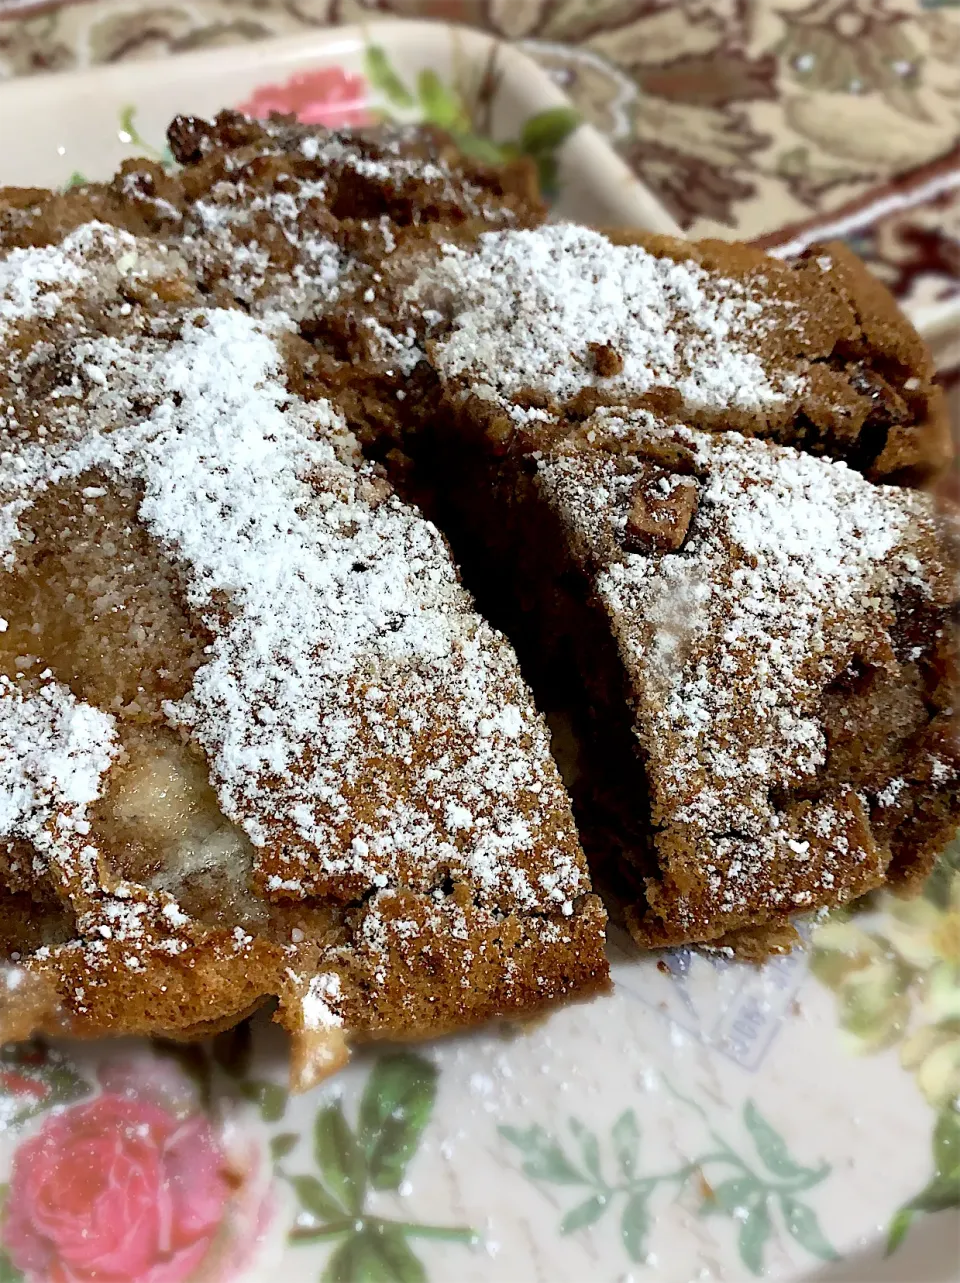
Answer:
(767, 119)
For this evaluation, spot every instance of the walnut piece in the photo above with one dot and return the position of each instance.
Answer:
(661, 509)
(607, 361)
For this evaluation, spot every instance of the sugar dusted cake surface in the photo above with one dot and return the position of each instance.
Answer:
(255, 738)
(532, 308)
(559, 319)
(338, 779)
(788, 643)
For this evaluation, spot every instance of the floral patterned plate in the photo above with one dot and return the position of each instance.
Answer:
(494, 98)
(705, 1121)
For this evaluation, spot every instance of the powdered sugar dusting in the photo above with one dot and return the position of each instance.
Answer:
(33, 284)
(54, 752)
(394, 156)
(55, 755)
(265, 229)
(787, 577)
(342, 637)
(37, 283)
(271, 250)
(530, 305)
(320, 1002)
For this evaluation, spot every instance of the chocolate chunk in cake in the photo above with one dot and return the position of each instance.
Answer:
(255, 739)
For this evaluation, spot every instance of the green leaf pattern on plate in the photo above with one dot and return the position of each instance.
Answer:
(339, 1158)
(625, 1135)
(802, 1224)
(8, 1271)
(39, 1078)
(770, 1146)
(943, 1188)
(384, 79)
(635, 1225)
(584, 1214)
(744, 1189)
(395, 1107)
(754, 1232)
(313, 1198)
(270, 1098)
(282, 1144)
(544, 1160)
(441, 105)
(897, 1230)
(541, 136)
(894, 966)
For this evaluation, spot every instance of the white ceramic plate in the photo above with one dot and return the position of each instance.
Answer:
(705, 1121)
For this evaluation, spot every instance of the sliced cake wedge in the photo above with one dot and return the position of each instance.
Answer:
(659, 464)
(255, 741)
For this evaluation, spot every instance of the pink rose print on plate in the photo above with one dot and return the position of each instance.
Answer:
(328, 96)
(122, 1190)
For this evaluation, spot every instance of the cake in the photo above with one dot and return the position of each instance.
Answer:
(255, 741)
(259, 743)
(776, 636)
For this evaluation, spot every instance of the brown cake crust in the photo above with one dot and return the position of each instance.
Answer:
(408, 174)
(880, 373)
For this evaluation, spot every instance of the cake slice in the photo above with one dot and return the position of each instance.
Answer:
(529, 325)
(778, 638)
(276, 217)
(658, 463)
(255, 741)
